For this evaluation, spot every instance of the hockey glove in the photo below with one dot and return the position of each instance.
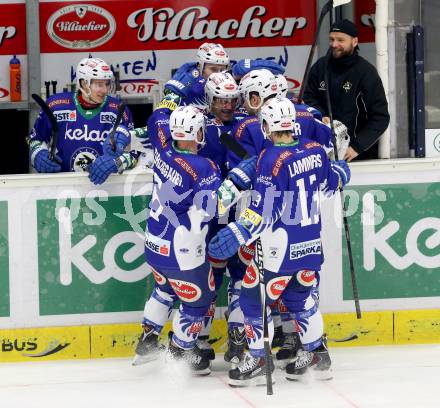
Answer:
(341, 167)
(342, 138)
(41, 162)
(243, 174)
(183, 80)
(242, 67)
(228, 240)
(121, 140)
(139, 137)
(101, 168)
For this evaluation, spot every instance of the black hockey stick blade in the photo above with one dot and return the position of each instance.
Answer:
(232, 144)
(54, 138)
(121, 110)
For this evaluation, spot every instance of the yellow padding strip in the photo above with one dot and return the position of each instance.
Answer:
(417, 326)
(344, 329)
(45, 343)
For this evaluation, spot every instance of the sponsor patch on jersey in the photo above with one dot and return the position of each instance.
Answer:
(276, 286)
(278, 163)
(242, 127)
(107, 117)
(56, 102)
(65, 115)
(195, 328)
(249, 331)
(92, 135)
(302, 249)
(187, 167)
(250, 278)
(249, 216)
(82, 158)
(157, 245)
(304, 114)
(162, 138)
(211, 280)
(206, 181)
(246, 253)
(274, 252)
(306, 277)
(187, 291)
(158, 277)
(311, 145)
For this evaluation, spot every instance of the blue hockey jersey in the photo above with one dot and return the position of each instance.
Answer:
(81, 132)
(249, 134)
(182, 205)
(285, 207)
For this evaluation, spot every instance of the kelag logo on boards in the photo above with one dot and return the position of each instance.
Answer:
(81, 26)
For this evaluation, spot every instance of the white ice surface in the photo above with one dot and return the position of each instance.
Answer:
(381, 376)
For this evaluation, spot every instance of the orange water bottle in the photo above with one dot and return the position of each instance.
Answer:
(15, 79)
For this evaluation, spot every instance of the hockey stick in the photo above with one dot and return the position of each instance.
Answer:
(344, 209)
(325, 10)
(235, 147)
(54, 124)
(119, 115)
(267, 348)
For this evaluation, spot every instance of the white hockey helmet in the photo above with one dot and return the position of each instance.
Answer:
(185, 123)
(260, 81)
(281, 86)
(279, 114)
(92, 68)
(211, 53)
(221, 85)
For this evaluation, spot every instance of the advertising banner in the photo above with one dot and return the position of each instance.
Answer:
(4, 260)
(146, 39)
(395, 240)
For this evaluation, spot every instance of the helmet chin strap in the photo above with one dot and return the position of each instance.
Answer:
(87, 94)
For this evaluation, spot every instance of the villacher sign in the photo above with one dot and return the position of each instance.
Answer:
(81, 26)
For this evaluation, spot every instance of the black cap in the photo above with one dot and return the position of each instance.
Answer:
(345, 26)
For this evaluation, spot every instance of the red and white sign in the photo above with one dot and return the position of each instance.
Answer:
(81, 26)
(168, 24)
(365, 14)
(12, 29)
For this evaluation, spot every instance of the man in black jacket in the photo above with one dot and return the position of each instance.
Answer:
(356, 92)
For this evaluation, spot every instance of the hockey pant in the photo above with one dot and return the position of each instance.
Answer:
(196, 290)
(296, 291)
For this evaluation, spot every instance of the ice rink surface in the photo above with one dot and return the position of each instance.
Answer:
(367, 377)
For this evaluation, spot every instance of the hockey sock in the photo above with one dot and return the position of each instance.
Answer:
(158, 308)
(187, 327)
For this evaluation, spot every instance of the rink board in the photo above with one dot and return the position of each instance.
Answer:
(45, 343)
(119, 340)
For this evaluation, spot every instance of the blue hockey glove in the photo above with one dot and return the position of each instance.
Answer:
(243, 174)
(242, 67)
(121, 140)
(341, 167)
(43, 164)
(228, 240)
(183, 79)
(101, 168)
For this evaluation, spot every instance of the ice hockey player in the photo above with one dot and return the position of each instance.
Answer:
(183, 202)
(84, 119)
(211, 58)
(285, 215)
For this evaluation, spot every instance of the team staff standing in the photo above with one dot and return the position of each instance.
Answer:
(356, 92)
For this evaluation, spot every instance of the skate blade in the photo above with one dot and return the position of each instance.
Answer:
(139, 360)
(257, 381)
(201, 373)
(322, 375)
(319, 375)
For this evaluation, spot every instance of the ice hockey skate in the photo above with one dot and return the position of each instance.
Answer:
(148, 346)
(236, 345)
(250, 371)
(316, 362)
(288, 350)
(198, 363)
(205, 348)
